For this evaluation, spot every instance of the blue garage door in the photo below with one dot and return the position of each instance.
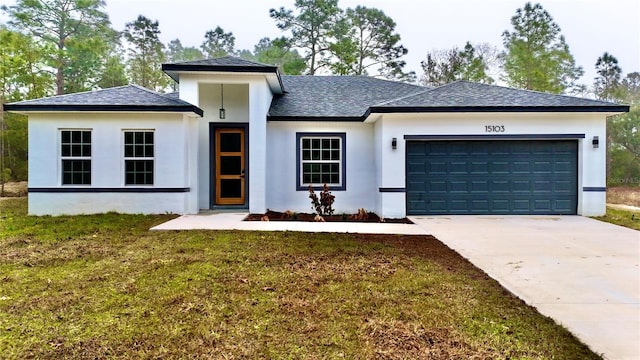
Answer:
(492, 177)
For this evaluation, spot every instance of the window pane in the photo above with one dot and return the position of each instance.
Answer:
(335, 155)
(326, 143)
(315, 154)
(315, 143)
(76, 150)
(326, 154)
(66, 150)
(86, 137)
(76, 136)
(148, 137)
(128, 150)
(335, 143)
(128, 137)
(306, 143)
(139, 177)
(148, 152)
(66, 136)
(86, 150)
(138, 151)
(315, 178)
(306, 154)
(138, 137)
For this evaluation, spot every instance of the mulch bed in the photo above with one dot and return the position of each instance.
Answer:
(304, 217)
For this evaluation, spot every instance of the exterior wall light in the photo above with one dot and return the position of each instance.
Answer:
(595, 142)
(223, 113)
(394, 143)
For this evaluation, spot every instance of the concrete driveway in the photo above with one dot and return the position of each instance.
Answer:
(581, 272)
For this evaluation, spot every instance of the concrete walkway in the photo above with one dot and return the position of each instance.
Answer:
(233, 221)
(581, 272)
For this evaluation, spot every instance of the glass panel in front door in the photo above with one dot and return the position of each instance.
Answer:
(230, 167)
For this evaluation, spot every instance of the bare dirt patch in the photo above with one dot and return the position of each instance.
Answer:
(15, 189)
(624, 195)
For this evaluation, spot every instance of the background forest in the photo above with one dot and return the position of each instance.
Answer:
(55, 47)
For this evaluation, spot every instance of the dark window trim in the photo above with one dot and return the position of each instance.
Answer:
(212, 160)
(343, 150)
(107, 190)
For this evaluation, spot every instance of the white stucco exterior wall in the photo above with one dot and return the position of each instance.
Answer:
(591, 162)
(172, 169)
(361, 190)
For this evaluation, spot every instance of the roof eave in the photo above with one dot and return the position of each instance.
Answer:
(515, 109)
(277, 86)
(26, 108)
(315, 118)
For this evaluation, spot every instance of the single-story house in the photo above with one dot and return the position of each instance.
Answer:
(239, 135)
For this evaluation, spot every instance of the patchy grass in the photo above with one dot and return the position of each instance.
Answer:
(622, 217)
(106, 287)
(624, 195)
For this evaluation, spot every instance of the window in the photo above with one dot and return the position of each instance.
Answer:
(75, 151)
(138, 157)
(321, 160)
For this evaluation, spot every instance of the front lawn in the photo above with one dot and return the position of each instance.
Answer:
(622, 217)
(106, 287)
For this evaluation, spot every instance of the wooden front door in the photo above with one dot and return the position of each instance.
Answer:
(230, 166)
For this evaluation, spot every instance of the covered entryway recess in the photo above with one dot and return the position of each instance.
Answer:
(492, 177)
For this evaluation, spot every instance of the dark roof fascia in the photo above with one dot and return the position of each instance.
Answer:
(115, 108)
(507, 109)
(317, 118)
(225, 68)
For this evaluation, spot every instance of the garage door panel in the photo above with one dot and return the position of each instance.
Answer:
(519, 186)
(493, 177)
(458, 167)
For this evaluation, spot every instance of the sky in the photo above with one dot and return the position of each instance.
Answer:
(590, 27)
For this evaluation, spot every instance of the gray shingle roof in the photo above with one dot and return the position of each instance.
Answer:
(337, 97)
(224, 61)
(469, 96)
(121, 98)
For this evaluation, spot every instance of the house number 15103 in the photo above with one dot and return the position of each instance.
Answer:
(494, 128)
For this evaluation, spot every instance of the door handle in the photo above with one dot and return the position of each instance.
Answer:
(242, 173)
